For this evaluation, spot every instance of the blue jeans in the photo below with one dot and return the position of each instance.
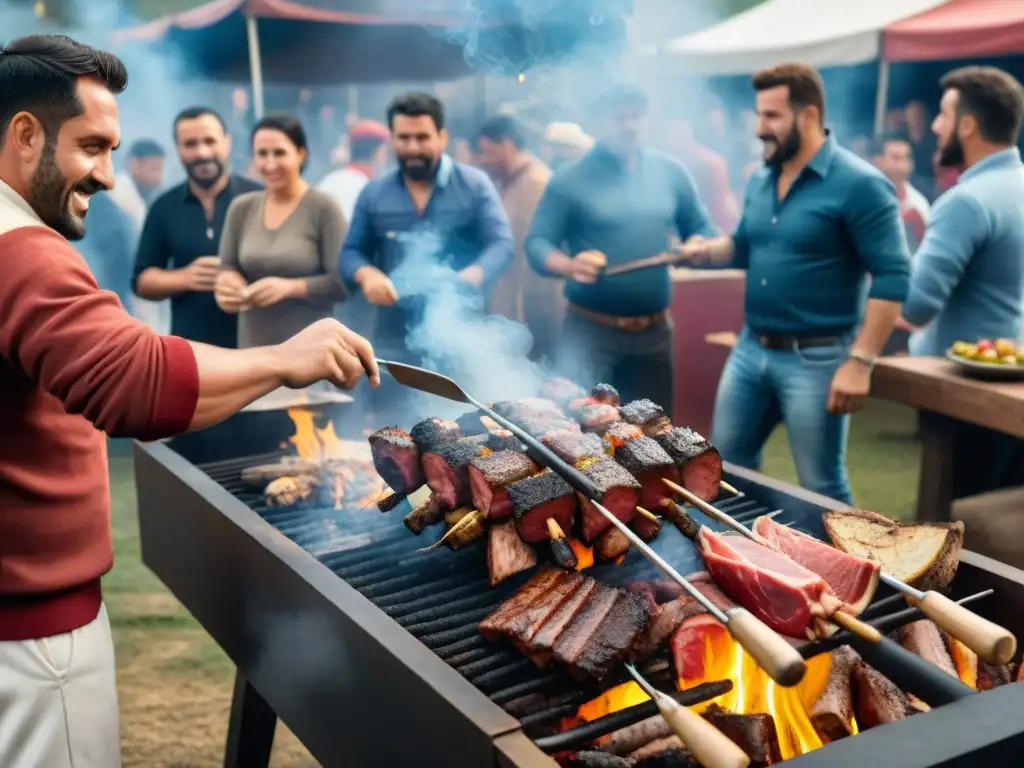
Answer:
(762, 387)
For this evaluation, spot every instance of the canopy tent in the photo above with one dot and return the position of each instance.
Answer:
(958, 29)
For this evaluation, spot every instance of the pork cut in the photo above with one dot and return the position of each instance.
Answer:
(507, 554)
(489, 477)
(853, 579)
(700, 464)
(779, 591)
(538, 497)
(396, 459)
(446, 467)
(620, 493)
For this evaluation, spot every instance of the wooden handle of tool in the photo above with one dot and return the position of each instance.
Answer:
(711, 747)
(778, 658)
(990, 641)
(861, 629)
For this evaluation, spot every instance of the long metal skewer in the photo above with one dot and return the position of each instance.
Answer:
(777, 656)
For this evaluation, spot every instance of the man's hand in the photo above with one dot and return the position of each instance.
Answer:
(327, 350)
(377, 287)
(850, 387)
(474, 275)
(271, 290)
(229, 291)
(201, 274)
(587, 266)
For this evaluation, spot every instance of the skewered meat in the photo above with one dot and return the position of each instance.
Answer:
(700, 464)
(542, 428)
(782, 593)
(669, 616)
(649, 464)
(620, 494)
(446, 467)
(431, 433)
(611, 545)
(472, 423)
(560, 390)
(606, 393)
(832, 712)
(878, 700)
(647, 528)
(574, 447)
(528, 408)
(681, 519)
(489, 477)
(288, 466)
(291, 491)
(620, 432)
(597, 417)
(537, 498)
(503, 440)
(507, 554)
(430, 512)
(541, 645)
(649, 416)
(396, 459)
(389, 500)
(853, 579)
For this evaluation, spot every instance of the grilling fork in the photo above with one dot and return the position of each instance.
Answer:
(775, 655)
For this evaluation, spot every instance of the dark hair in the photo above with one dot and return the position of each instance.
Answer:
(806, 88)
(146, 148)
(502, 128)
(622, 95)
(193, 113)
(416, 104)
(284, 123)
(362, 150)
(39, 74)
(994, 97)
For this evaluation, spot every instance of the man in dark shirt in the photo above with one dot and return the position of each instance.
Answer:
(618, 203)
(817, 220)
(177, 255)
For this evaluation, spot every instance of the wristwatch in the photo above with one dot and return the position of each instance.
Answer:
(863, 359)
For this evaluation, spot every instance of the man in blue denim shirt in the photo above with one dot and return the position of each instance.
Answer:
(817, 220)
(431, 209)
(967, 282)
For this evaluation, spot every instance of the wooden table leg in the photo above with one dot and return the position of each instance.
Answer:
(935, 485)
(251, 728)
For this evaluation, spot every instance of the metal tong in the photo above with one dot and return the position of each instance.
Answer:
(711, 747)
(987, 639)
(781, 660)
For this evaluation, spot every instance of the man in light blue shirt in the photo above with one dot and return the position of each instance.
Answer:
(967, 281)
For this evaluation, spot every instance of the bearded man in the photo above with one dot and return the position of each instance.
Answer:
(177, 254)
(817, 223)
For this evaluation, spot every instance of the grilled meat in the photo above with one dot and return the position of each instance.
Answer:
(681, 519)
(606, 393)
(472, 424)
(571, 645)
(503, 440)
(633, 737)
(541, 645)
(560, 390)
(529, 408)
(522, 627)
(669, 616)
(649, 464)
(597, 417)
(700, 464)
(430, 512)
(611, 545)
(620, 493)
(446, 467)
(389, 500)
(430, 433)
(292, 491)
(396, 459)
(537, 498)
(625, 621)
(647, 528)
(878, 699)
(507, 554)
(573, 447)
(497, 623)
(754, 734)
(832, 712)
(490, 475)
(620, 432)
(649, 416)
(288, 466)
(992, 676)
(925, 639)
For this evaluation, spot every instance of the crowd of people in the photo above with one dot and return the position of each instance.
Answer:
(253, 271)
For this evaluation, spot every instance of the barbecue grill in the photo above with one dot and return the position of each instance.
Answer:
(370, 652)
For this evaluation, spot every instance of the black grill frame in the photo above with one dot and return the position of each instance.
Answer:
(350, 678)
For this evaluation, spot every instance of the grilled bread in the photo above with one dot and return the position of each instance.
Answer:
(924, 555)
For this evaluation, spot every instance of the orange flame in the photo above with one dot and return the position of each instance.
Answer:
(584, 554)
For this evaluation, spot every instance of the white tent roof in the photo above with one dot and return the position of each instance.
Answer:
(822, 33)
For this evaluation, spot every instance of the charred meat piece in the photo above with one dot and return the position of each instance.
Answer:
(647, 528)
(542, 428)
(503, 617)
(429, 512)
(396, 459)
(597, 417)
(606, 393)
(700, 465)
(620, 493)
(529, 408)
(992, 676)
(649, 416)
(503, 440)
(573, 640)
(621, 432)
(541, 644)
(488, 477)
(925, 639)
(754, 734)
(430, 433)
(537, 498)
(573, 447)
(522, 626)
(614, 636)
(447, 469)
(680, 518)
(389, 500)
(669, 616)
(649, 464)
(560, 390)
(878, 700)
(633, 737)
(832, 712)
(611, 545)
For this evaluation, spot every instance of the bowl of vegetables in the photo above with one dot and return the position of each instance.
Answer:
(989, 358)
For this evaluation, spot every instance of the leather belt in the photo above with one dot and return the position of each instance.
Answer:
(772, 341)
(635, 324)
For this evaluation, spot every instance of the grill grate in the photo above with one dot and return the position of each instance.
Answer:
(440, 596)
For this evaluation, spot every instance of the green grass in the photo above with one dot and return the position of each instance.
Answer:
(175, 682)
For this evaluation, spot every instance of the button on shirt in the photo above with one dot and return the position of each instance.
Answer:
(175, 234)
(463, 217)
(968, 277)
(808, 257)
(626, 213)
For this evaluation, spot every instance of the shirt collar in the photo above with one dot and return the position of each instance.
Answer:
(10, 197)
(822, 160)
(1004, 158)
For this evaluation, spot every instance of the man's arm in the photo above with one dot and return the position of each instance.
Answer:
(957, 230)
(548, 231)
(152, 279)
(360, 246)
(495, 235)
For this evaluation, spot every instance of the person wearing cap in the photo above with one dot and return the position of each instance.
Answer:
(565, 142)
(368, 156)
(618, 203)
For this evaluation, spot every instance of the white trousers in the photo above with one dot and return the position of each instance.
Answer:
(58, 700)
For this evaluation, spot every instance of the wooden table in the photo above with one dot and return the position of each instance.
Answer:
(932, 385)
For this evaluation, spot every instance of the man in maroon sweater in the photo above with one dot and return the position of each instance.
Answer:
(73, 366)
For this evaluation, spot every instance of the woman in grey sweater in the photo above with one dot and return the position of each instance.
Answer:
(279, 250)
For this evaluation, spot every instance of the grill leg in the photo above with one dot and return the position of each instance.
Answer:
(251, 728)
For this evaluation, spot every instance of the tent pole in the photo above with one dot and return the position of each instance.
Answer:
(255, 65)
(882, 97)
